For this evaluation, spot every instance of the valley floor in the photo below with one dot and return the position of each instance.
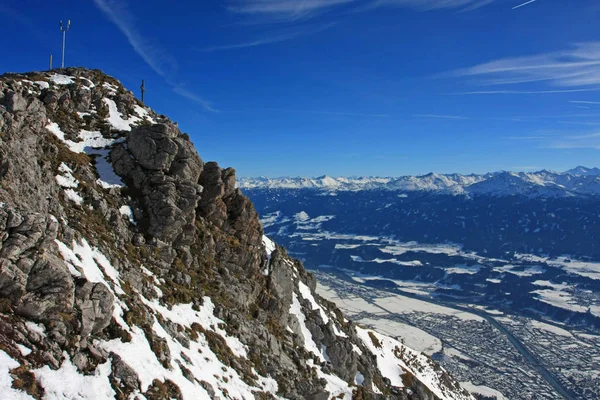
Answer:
(471, 346)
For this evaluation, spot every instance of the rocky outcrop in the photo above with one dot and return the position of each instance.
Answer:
(163, 169)
(124, 257)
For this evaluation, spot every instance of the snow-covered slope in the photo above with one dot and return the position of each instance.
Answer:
(579, 181)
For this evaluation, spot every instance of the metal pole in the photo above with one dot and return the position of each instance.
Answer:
(50, 61)
(62, 64)
(143, 87)
(64, 32)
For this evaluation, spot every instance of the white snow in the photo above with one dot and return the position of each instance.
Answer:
(91, 139)
(463, 269)
(528, 271)
(107, 176)
(337, 388)
(67, 383)
(389, 366)
(115, 118)
(74, 196)
(93, 144)
(483, 390)
(402, 248)
(414, 338)
(126, 211)
(42, 84)
(91, 263)
(33, 327)
(25, 351)
(185, 315)
(309, 343)
(356, 349)
(391, 356)
(307, 295)
(6, 390)
(59, 79)
(452, 352)
(550, 328)
(143, 113)
(301, 216)
(269, 248)
(111, 88)
(66, 178)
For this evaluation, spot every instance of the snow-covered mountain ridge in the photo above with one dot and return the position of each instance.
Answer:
(132, 269)
(580, 181)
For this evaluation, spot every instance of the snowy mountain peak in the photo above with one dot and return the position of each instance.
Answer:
(584, 171)
(579, 181)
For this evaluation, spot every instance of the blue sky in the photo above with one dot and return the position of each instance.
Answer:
(344, 87)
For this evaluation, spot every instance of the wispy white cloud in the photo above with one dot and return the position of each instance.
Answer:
(303, 9)
(575, 143)
(194, 97)
(587, 123)
(300, 111)
(429, 5)
(574, 67)
(438, 116)
(525, 168)
(275, 38)
(524, 4)
(156, 57)
(563, 140)
(584, 102)
(284, 9)
(482, 92)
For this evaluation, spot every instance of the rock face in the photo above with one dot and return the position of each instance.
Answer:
(140, 271)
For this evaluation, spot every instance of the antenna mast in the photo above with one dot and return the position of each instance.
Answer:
(64, 35)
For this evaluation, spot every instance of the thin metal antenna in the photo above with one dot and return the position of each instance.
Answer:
(50, 61)
(143, 87)
(64, 33)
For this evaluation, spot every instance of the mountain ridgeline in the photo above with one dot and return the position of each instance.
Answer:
(542, 212)
(131, 268)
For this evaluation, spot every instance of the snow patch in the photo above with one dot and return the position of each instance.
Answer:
(309, 343)
(25, 351)
(126, 211)
(68, 383)
(66, 178)
(115, 118)
(6, 390)
(269, 248)
(59, 79)
(91, 263)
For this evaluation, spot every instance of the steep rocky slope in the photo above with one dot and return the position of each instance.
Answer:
(130, 268)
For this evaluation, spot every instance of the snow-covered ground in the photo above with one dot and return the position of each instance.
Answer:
(483, 390)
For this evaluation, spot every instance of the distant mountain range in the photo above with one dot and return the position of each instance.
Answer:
(579, 181)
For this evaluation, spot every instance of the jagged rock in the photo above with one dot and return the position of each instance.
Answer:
(165, 169)
(96, 303)
(51, 98)
(49, 289)
(15, 102)
(138, 240)
(123, 374)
